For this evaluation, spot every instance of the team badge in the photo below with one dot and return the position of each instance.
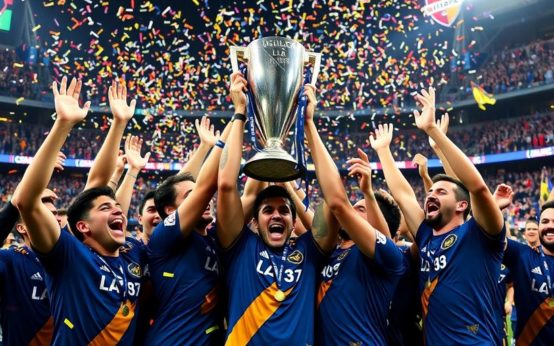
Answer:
(295, 257)
(449, 241)
(443, 12)
(474, 328)
(170, 219)
(134, 269)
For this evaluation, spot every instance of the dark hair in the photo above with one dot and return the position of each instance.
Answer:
(270, 192)
(390, 211)
(461, 192)
(149, 195)
(166, 194)
(531, 220)
(547, 205)
(82, 204)
(62, 211)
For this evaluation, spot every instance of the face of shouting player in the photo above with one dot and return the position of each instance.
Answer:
(441, 205)
(275, 223)
(546, 230)
(105, 225)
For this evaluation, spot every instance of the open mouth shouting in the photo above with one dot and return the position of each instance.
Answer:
(432, 207)
(548, 235)
(116, 225)
(276, 231)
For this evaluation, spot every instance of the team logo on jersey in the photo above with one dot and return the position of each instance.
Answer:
(21, 250)
(134, 269)
(449, 241)
(343, 255)
(474, 328)
(170, 219)
(443, 12)
(536, 270)
(296, 257)
(36, 276)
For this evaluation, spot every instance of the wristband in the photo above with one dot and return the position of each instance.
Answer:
(131, 175)
(239, 116)
(113, 182)
(220, 144)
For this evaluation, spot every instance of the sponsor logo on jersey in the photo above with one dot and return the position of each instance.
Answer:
(536, 270)
(343, 255)
(36, 276)
(264, 254)
(449, 241)
(170, 219)
(104, 268)
(295, 257)
(134, 269)
(381, 239)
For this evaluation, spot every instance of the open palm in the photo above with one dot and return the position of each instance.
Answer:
(382, 137)
(66, 101)
(117, 95)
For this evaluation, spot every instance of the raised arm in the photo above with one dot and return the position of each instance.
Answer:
(133, 146)
(334, 194)
(421, 162)
(119, 169)
(230, 216)
(360, 167)
(252, 188)
(399, 187)
(42, 226)
(105, 161)
(442, 123)
(305, 216)
(483, 205)
(208, 138)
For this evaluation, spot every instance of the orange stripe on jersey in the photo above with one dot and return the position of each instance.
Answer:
(323, 288)
(210, 301)
(44, 335)
(538, 319)
(426, 295)
(114, 331)
(255, 315)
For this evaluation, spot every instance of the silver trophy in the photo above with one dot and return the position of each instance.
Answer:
(275, 75)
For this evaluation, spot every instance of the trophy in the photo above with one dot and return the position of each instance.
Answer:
(275, 74)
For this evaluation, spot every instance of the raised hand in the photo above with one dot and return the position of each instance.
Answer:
(426, 119)
(361, 168)
(503, 195)
(206, 131)
(382, 137)
(121, 159)
(421, 162)
(309, 92)
(133, 146)
(442, 123)
(117, 95)
(66, 101)
(60, 160)
(238, 92)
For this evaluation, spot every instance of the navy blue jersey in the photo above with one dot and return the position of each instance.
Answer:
(534, 300)
(355, 294)
(458, 283)
(262, 311)
(93, 297)
(500, 298)
(24, 303)
(185, 276)
(405, 313)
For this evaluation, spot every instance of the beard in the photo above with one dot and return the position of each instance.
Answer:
(435, 222)
(545, 244)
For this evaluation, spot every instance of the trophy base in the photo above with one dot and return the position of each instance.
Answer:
(273, 165)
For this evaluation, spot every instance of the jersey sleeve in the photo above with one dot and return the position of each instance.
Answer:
(166, 236)
(388, 256)
(8, 217)
(5, 258)
(238, 245)
(63, 255)
(514, 251)
(423, 233)
(314, 248)
(497, 242)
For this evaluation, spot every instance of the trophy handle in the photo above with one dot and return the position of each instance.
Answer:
(315, 60)
(236, 53)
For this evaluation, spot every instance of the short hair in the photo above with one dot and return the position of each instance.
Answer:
(461, 192)
(531, 220)
(547, 205)
(166, 194)
(390, 211)
(271, 192)
(62, 211)
(82, 204)
(149, 195)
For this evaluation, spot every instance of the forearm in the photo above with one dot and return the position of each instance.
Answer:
(375, 216)
(38, 173)
(251, 189)
(461, 166)
(194, 164)
(306, 216)
(8, 218)
(114, 180)
(105, 161)
(124, 193)
(445, 164)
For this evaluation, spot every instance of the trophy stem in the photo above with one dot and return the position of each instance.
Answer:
(275, 143)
